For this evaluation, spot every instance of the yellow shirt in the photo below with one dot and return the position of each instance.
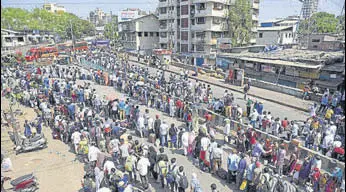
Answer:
(124, 136)
(315, 124)
(329, 113)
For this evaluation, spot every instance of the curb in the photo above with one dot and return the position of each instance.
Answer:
(225, 87)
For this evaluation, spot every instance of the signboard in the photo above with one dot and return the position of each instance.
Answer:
(224, 43)
(127, 15)
(162, 52)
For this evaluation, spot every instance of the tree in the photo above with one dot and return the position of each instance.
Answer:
(110, 31)
(240, 22)
(320, 22)
(40, 19)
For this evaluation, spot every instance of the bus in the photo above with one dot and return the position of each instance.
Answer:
(81, 46)
(35, 54)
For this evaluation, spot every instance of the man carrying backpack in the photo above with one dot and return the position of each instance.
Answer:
(171, 175)
(232, 164)
(264, 182)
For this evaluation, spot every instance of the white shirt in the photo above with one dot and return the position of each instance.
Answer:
(108, 166)
(150, 123)
(205, 142)
(114, 144)
(185, 139)
(163, 129)
(141, 122)
(142, 166)
(93, 152)
(327, 141)
(227, 129)
(76, 137)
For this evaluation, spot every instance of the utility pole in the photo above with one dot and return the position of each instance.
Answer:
(72, 36)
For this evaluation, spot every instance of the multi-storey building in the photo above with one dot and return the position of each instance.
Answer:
(99, 17)
(309, 8)
(192, 27)
(140, 35)
(54, 8)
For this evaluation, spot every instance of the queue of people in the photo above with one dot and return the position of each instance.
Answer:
(94, 125)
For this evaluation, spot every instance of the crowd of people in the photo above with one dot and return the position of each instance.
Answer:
(98, 129)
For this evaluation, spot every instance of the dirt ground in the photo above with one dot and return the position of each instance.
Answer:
(55, 167)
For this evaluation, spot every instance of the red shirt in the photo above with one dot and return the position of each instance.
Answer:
(179, 104)
(284, 123)
(189, 118)
(339, 150)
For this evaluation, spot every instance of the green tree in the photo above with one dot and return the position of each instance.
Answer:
(40, 19)
(240, 22)
(320, 22)
(110, 31)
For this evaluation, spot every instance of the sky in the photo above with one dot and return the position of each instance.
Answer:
(269, 9)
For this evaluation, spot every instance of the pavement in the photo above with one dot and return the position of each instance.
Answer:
(55, 166)
(259, 93)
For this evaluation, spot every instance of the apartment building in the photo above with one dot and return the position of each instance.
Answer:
(54, 8)
(99, 17)
(278, 31)
(140, 34)
(192, 27)
(309, 8)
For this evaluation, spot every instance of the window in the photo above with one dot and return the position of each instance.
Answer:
(145, 34)
(315, 46)
(163, 24)
(171, 8)
(315, 40)
(201, 6)
(260, 35)
(157, 34)
(192, 21)
(162, 0)
(218, 6)
(139, 34)
(163, 46)
(20, 39)
(184, 22)
(184, 35)
(184, 10)
(216, 34)
(192, 35)
(192, 48)
(163, 34)
(217, 20)
(8, 39)
(200, 35)
(151, 34)
(163, 10)
(199, 47)
(200, 20)
(184, 48)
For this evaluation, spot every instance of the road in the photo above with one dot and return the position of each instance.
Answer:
(275, 109)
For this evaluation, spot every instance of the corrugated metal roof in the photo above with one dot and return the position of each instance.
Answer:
(276, 28)
(280, 62)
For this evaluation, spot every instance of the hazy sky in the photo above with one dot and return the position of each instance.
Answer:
(268, 8)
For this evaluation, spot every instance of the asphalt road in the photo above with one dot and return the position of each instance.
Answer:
(275, 109)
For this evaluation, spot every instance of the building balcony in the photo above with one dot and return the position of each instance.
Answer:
(208, 12)
(216, 1)
(255, 6)
(254, 29)
(163, 4)
(255, 17)
(209, 26)
(163, 40)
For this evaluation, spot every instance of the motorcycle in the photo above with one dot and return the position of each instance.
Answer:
(26, 183)
(30, 144)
